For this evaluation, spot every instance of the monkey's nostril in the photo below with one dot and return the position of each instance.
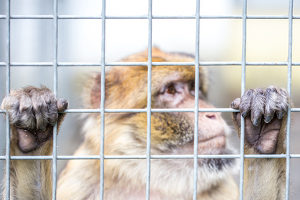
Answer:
(211, 116)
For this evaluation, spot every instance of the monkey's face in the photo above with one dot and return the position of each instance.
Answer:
(171, 132)
(174, 132)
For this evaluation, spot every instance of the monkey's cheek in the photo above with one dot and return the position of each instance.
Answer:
(218, 142)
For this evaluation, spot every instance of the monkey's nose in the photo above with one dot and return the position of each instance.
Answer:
(211, 116)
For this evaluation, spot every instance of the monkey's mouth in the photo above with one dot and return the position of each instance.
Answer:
(209, 145)
(216, 141)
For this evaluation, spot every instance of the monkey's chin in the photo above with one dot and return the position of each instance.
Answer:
(217, 163)
(212, 146)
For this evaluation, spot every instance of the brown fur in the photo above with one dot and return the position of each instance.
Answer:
(125, 134)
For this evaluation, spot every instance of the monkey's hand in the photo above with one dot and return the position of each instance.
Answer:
(33, 112)
(264, 111)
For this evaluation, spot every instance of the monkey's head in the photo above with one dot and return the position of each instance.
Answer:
(171, 132)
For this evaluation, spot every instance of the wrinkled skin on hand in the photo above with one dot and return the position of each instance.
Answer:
(264, 111)
(33, 112)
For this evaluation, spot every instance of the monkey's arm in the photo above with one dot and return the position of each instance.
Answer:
(33, 112)
(265, 125)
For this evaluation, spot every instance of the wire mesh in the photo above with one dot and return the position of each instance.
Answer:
(56, 64)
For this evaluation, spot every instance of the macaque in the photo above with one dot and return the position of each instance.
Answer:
(33, 113)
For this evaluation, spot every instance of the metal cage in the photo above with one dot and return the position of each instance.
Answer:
(102, 110)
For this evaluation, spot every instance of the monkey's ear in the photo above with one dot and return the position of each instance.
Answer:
(90, 86)
(95, 92)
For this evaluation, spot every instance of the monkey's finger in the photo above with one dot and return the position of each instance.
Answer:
(62, 105)
(236, 103)
(270, 106)
(22, 116)
(11, 104)
(283, 104)
(40, 111)
(257, 107)
(276, 101)
(52, 111)
(245, 104)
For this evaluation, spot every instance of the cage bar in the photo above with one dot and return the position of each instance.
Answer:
(243, 86)
(289, 85)
(55, 90)
(153, 110)
(80, 64)
(7, 141)
(92, 157)
(102, 103)
(149, 79)
(62, 17)
(197, 73)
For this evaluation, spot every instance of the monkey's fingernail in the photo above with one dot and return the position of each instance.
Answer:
(235, 104)
(62, 105)
(268, 118)
(256, 122)
(280, 115)
(244, 114)
(232, 105)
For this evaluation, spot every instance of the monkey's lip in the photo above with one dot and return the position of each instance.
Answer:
(209, 145)
(222, 135)
(216, 141)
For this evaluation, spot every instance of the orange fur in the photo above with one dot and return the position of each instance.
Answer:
(126, 134)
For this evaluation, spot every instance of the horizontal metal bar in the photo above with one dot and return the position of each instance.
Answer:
(144, 110)
(29, 64)
(294, 155)
(128, 64)
(193, 63)
(146, 17)
(31, 17)
(295, 109)
(153, 110)
(82, 111)
(79, 64)
(95, 157)
(31, 157)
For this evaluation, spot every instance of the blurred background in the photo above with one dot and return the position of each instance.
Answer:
(79, 40)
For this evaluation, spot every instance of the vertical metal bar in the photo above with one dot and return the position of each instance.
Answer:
(196, 98)
(243, 86)
(148, 154)
(289, 84)
(102, 103)
(7, 153)
(55, 89)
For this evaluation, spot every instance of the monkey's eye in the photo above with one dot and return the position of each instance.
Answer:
(171, 89)
(192, 89)
(192, 86)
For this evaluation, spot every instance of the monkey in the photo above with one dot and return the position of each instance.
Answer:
(33, 112)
